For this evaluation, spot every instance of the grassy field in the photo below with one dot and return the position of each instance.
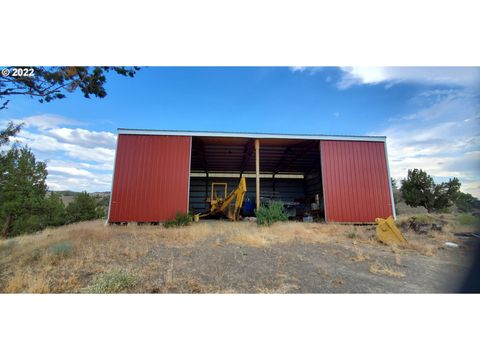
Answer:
(225, 257)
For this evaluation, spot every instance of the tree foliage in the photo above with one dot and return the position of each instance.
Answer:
(24, 204)
(22, 191)
(466, 202)
(54, 210)
(11, 130)
(103, 202)
(50, 83)
(446, 193)
(419, 189)
(397, 195)
(82, 208)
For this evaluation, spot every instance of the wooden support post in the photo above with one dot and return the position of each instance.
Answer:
(257, 171)
(207, 206)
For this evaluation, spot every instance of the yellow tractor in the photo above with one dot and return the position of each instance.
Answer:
(220, 206)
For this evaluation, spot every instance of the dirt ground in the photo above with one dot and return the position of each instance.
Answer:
(224, 257)
(302, 267)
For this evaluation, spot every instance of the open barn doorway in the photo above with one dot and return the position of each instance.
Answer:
(289, 171)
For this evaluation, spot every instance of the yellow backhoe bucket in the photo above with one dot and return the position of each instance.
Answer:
(388, 233)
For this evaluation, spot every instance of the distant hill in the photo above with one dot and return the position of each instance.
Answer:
(73, 193)
(68, 196)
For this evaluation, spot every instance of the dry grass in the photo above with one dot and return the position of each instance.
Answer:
(286, 232)
(461, 223)
(359, 256)
(451, 223)
(42, 263)
(398, 259)
(188, 285)
(281, 289)
(39, 263)
(282, 283)
(378, 268)
(428, 244)
(27, 282)
(420, 247)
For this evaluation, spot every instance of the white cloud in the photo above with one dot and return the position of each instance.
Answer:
(439, 142)
(455, 76)
(307, 69)
(83, 165)
(77, 159)
(79, 183)
(298, 68)
(48, 145)
(46, 121)
(91, 139)
(70, 171)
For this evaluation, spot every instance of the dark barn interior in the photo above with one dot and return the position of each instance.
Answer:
(290, 171)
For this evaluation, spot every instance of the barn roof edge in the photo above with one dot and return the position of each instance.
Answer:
(125, 131)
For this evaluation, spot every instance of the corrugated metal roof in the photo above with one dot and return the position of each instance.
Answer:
(252, 135)
(276, 155)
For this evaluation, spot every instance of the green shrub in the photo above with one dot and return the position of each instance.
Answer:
(468, 219)
(113, 282)
(267, 215)
(181, 219)
(61, 249)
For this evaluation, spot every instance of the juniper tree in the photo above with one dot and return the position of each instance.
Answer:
(82, 208)
(22, 191)
(419, 189)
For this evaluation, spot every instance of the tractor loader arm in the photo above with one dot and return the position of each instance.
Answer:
(220, 206)
(238, 194)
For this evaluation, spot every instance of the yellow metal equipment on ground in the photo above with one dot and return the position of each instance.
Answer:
(221, 205)
(387, 231)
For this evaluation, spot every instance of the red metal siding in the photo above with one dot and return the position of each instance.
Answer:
(151, 178)
(355, 181)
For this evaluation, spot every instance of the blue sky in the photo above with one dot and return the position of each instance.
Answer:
(431, 116)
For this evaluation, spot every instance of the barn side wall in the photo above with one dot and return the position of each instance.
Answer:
(355, 181)
(151, 178)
